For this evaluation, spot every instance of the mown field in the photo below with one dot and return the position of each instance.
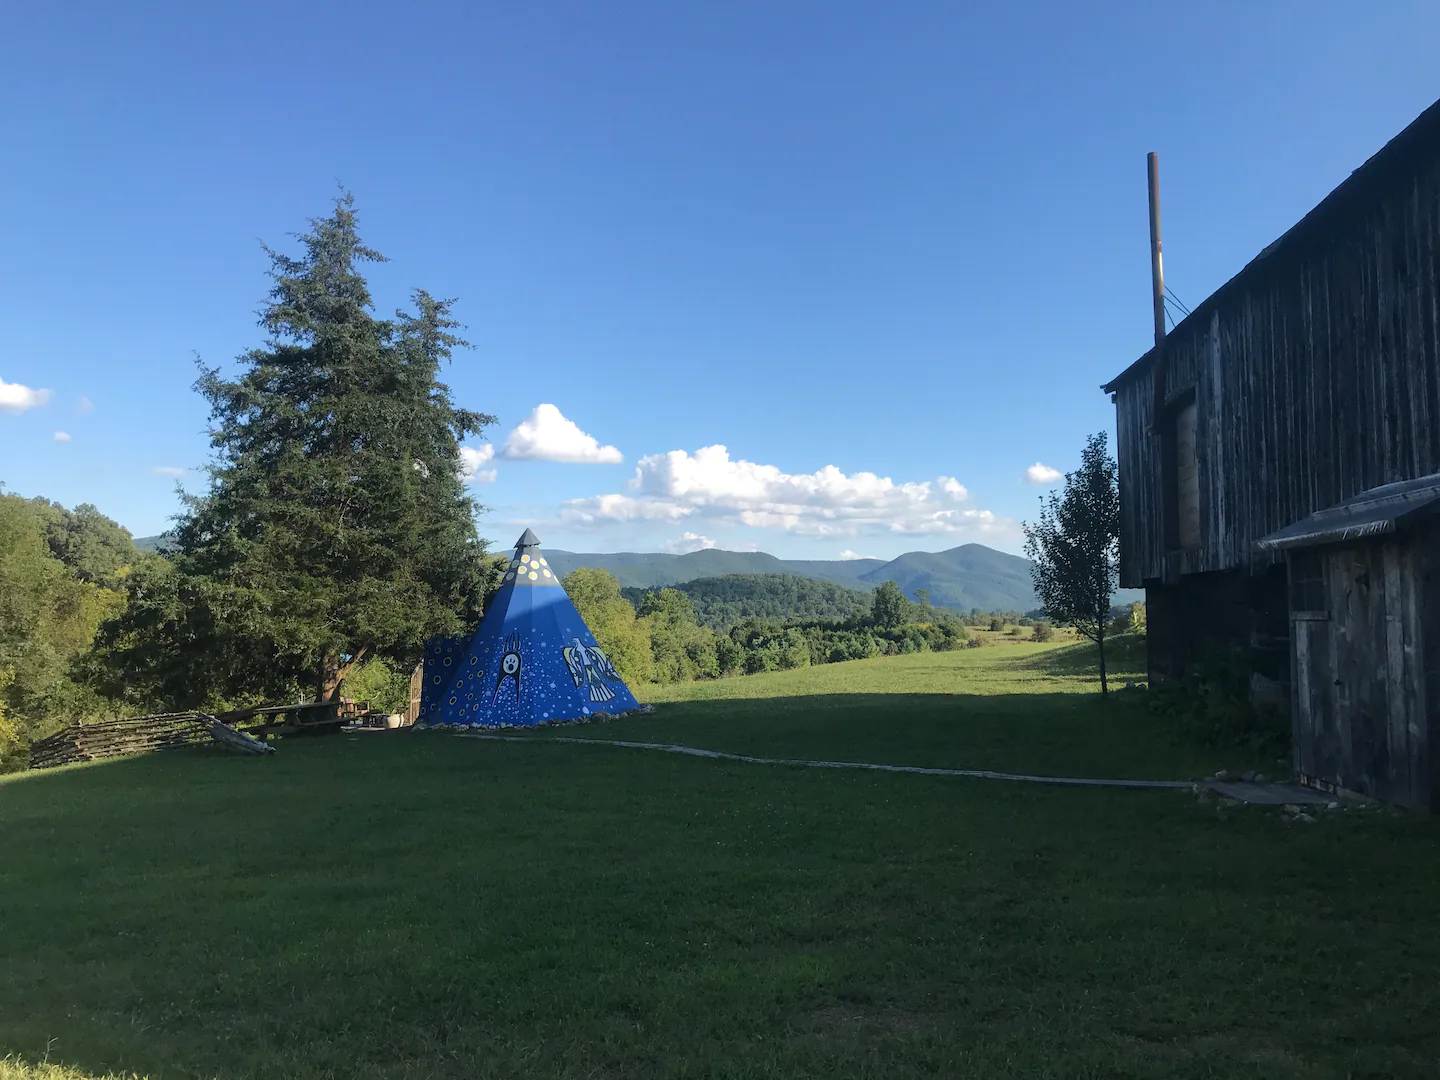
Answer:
(426, 905)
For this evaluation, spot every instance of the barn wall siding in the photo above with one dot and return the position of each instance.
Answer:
(1362, 704)
(1427, 716)
(1316, 376)
(1229, 610)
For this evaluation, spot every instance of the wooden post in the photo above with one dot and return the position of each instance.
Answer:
(417, 684)
(1157, 287)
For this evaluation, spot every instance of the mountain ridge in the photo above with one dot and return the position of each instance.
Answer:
(962, 578)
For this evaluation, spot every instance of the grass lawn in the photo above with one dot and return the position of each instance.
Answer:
(1017, 708)
(422, 905)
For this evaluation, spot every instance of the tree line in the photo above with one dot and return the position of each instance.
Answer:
(722, 601)
(62, 575)
(661, 638)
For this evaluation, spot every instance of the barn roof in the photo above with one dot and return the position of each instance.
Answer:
(1357, 192)
(1380, 510)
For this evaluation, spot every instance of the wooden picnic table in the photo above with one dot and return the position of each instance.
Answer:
(318, 716)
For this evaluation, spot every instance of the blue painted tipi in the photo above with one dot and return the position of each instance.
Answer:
(532, 660)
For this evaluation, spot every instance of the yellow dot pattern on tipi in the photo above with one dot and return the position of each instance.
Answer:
(529, 568)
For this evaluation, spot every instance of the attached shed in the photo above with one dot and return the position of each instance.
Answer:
(1364, 606)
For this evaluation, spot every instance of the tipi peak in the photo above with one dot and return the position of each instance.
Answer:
(527, 540)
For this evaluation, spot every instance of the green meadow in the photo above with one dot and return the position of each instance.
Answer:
(418, 904)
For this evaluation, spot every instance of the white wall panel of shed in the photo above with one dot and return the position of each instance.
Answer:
(1316, 376)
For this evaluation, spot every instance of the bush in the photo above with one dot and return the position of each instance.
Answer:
(1130, 621)
(1043, 632)
(996, 625)
(1016, 631)
(1212, 705)
(380, 684)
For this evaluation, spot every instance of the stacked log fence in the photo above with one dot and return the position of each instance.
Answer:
(118, 738)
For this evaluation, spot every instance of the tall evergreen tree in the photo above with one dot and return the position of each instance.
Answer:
(1075, 547)
(336, 525)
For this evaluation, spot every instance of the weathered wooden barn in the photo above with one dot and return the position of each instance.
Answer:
(1277, 462)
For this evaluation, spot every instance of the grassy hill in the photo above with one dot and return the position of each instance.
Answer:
(398, 905)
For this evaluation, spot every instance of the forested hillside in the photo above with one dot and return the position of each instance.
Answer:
(965, 577)
(60, 578)
(721, 602)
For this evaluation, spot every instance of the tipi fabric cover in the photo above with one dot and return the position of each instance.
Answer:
(531, 661)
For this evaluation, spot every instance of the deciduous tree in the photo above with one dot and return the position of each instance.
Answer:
(890, 608)
(1074, 547)
(48, 618)
(625, 638)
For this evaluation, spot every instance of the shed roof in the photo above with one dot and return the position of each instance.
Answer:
(1381, 510)
(1357, 192)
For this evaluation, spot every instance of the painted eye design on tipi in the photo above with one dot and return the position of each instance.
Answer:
(509, 667)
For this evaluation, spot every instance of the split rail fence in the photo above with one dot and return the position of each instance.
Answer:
(138, 735)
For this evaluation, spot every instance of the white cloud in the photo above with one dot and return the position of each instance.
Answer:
(605, 508)
(84, 405)
(15, 398)
(688, 542)
(709, 484)
(472, 462)
(546, 435)
(1042, 474)
(62, 436)
(169, 470)
(850, 556)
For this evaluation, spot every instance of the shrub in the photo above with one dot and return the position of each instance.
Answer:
(1043, 632)
(1212, 705)
(1130, 621)
(381, 685)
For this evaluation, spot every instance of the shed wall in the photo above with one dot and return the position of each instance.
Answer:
(1362, 713)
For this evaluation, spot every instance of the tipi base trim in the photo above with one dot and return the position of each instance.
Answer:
(592, 718)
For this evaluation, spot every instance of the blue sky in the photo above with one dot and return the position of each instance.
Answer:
(883, 255)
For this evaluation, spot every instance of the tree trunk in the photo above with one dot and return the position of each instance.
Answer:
(327, 684)
(332, 674)
(1104, 683)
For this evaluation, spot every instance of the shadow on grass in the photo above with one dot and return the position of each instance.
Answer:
(413, 904)
(1052, 734)
(1124, 658)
